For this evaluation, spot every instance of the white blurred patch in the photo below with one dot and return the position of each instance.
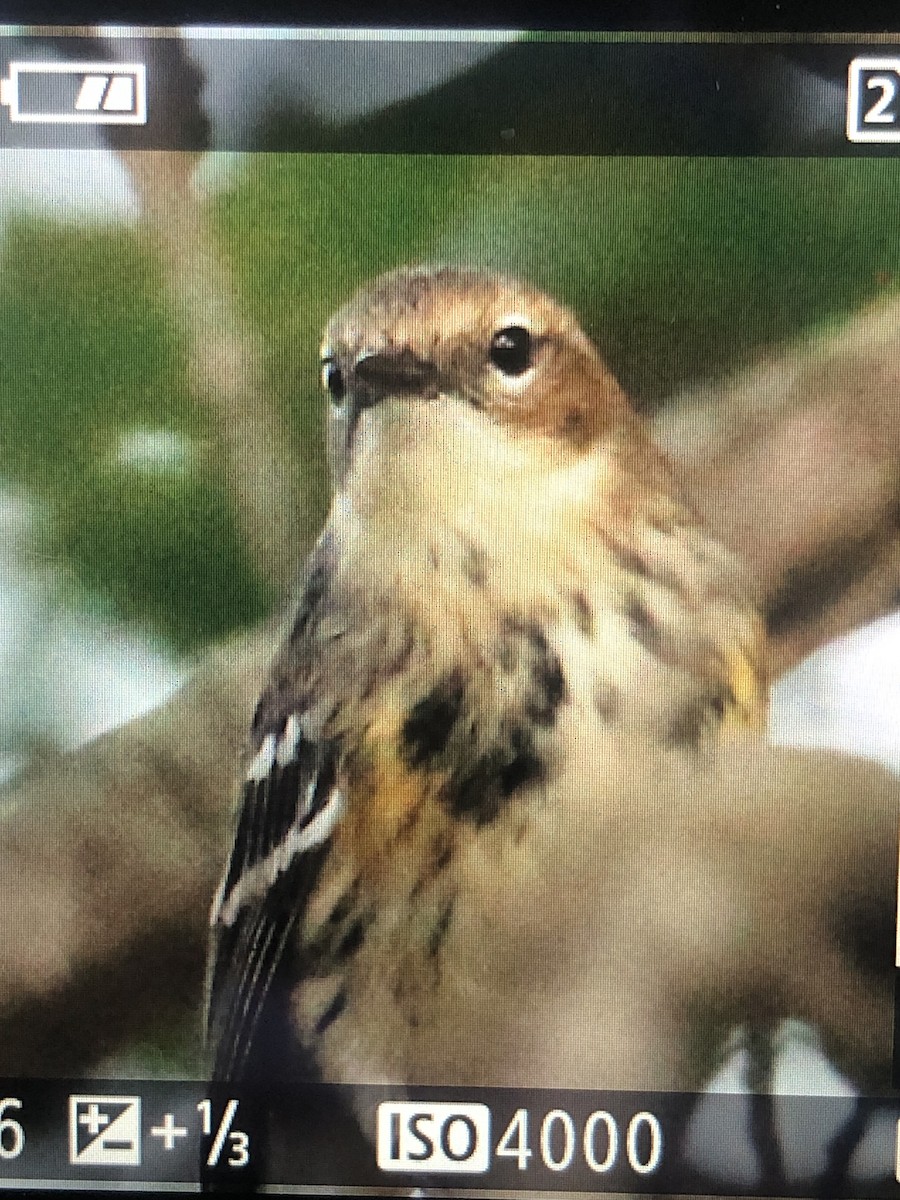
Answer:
(22, 602)
(801, 1068)
(66, 674)
(89, 185)
(152, 451)
(10, 766)
(68, 185)
(846, 696)
(102, 675)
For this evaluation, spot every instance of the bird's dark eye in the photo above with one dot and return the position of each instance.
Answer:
(511, 350)
(333, 381)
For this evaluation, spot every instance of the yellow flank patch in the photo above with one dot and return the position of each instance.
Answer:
(392, 789)
(747, 678)
(398, 791)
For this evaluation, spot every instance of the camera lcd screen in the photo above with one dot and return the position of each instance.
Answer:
(448, 643)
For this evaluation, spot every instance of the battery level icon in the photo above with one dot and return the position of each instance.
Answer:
(85, 93)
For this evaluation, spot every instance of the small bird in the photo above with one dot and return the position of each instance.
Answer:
(510, 611)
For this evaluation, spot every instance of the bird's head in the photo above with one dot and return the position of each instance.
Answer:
(471, 340)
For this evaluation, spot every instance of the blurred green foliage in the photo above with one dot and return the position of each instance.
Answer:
(88, 355)
(680, 269)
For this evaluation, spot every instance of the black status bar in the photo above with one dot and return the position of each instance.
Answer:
(492, 93)
(374, 1139)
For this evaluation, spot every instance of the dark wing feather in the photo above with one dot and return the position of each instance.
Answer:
(288, 807)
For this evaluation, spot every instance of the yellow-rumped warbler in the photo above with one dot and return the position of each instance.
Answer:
(508, 582)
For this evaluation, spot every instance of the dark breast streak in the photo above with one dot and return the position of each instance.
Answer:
(442, 730)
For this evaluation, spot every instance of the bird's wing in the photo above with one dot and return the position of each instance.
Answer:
(289, 807)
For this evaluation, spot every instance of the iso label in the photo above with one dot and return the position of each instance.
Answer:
(433, 1137)
(873, 100)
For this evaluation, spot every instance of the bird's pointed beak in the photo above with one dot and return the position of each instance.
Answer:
(377, 376)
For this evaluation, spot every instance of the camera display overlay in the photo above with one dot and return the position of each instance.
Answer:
(449, 733)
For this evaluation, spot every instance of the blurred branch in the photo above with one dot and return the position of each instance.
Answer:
(224, 364)
(796, 464)
(109, 857)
